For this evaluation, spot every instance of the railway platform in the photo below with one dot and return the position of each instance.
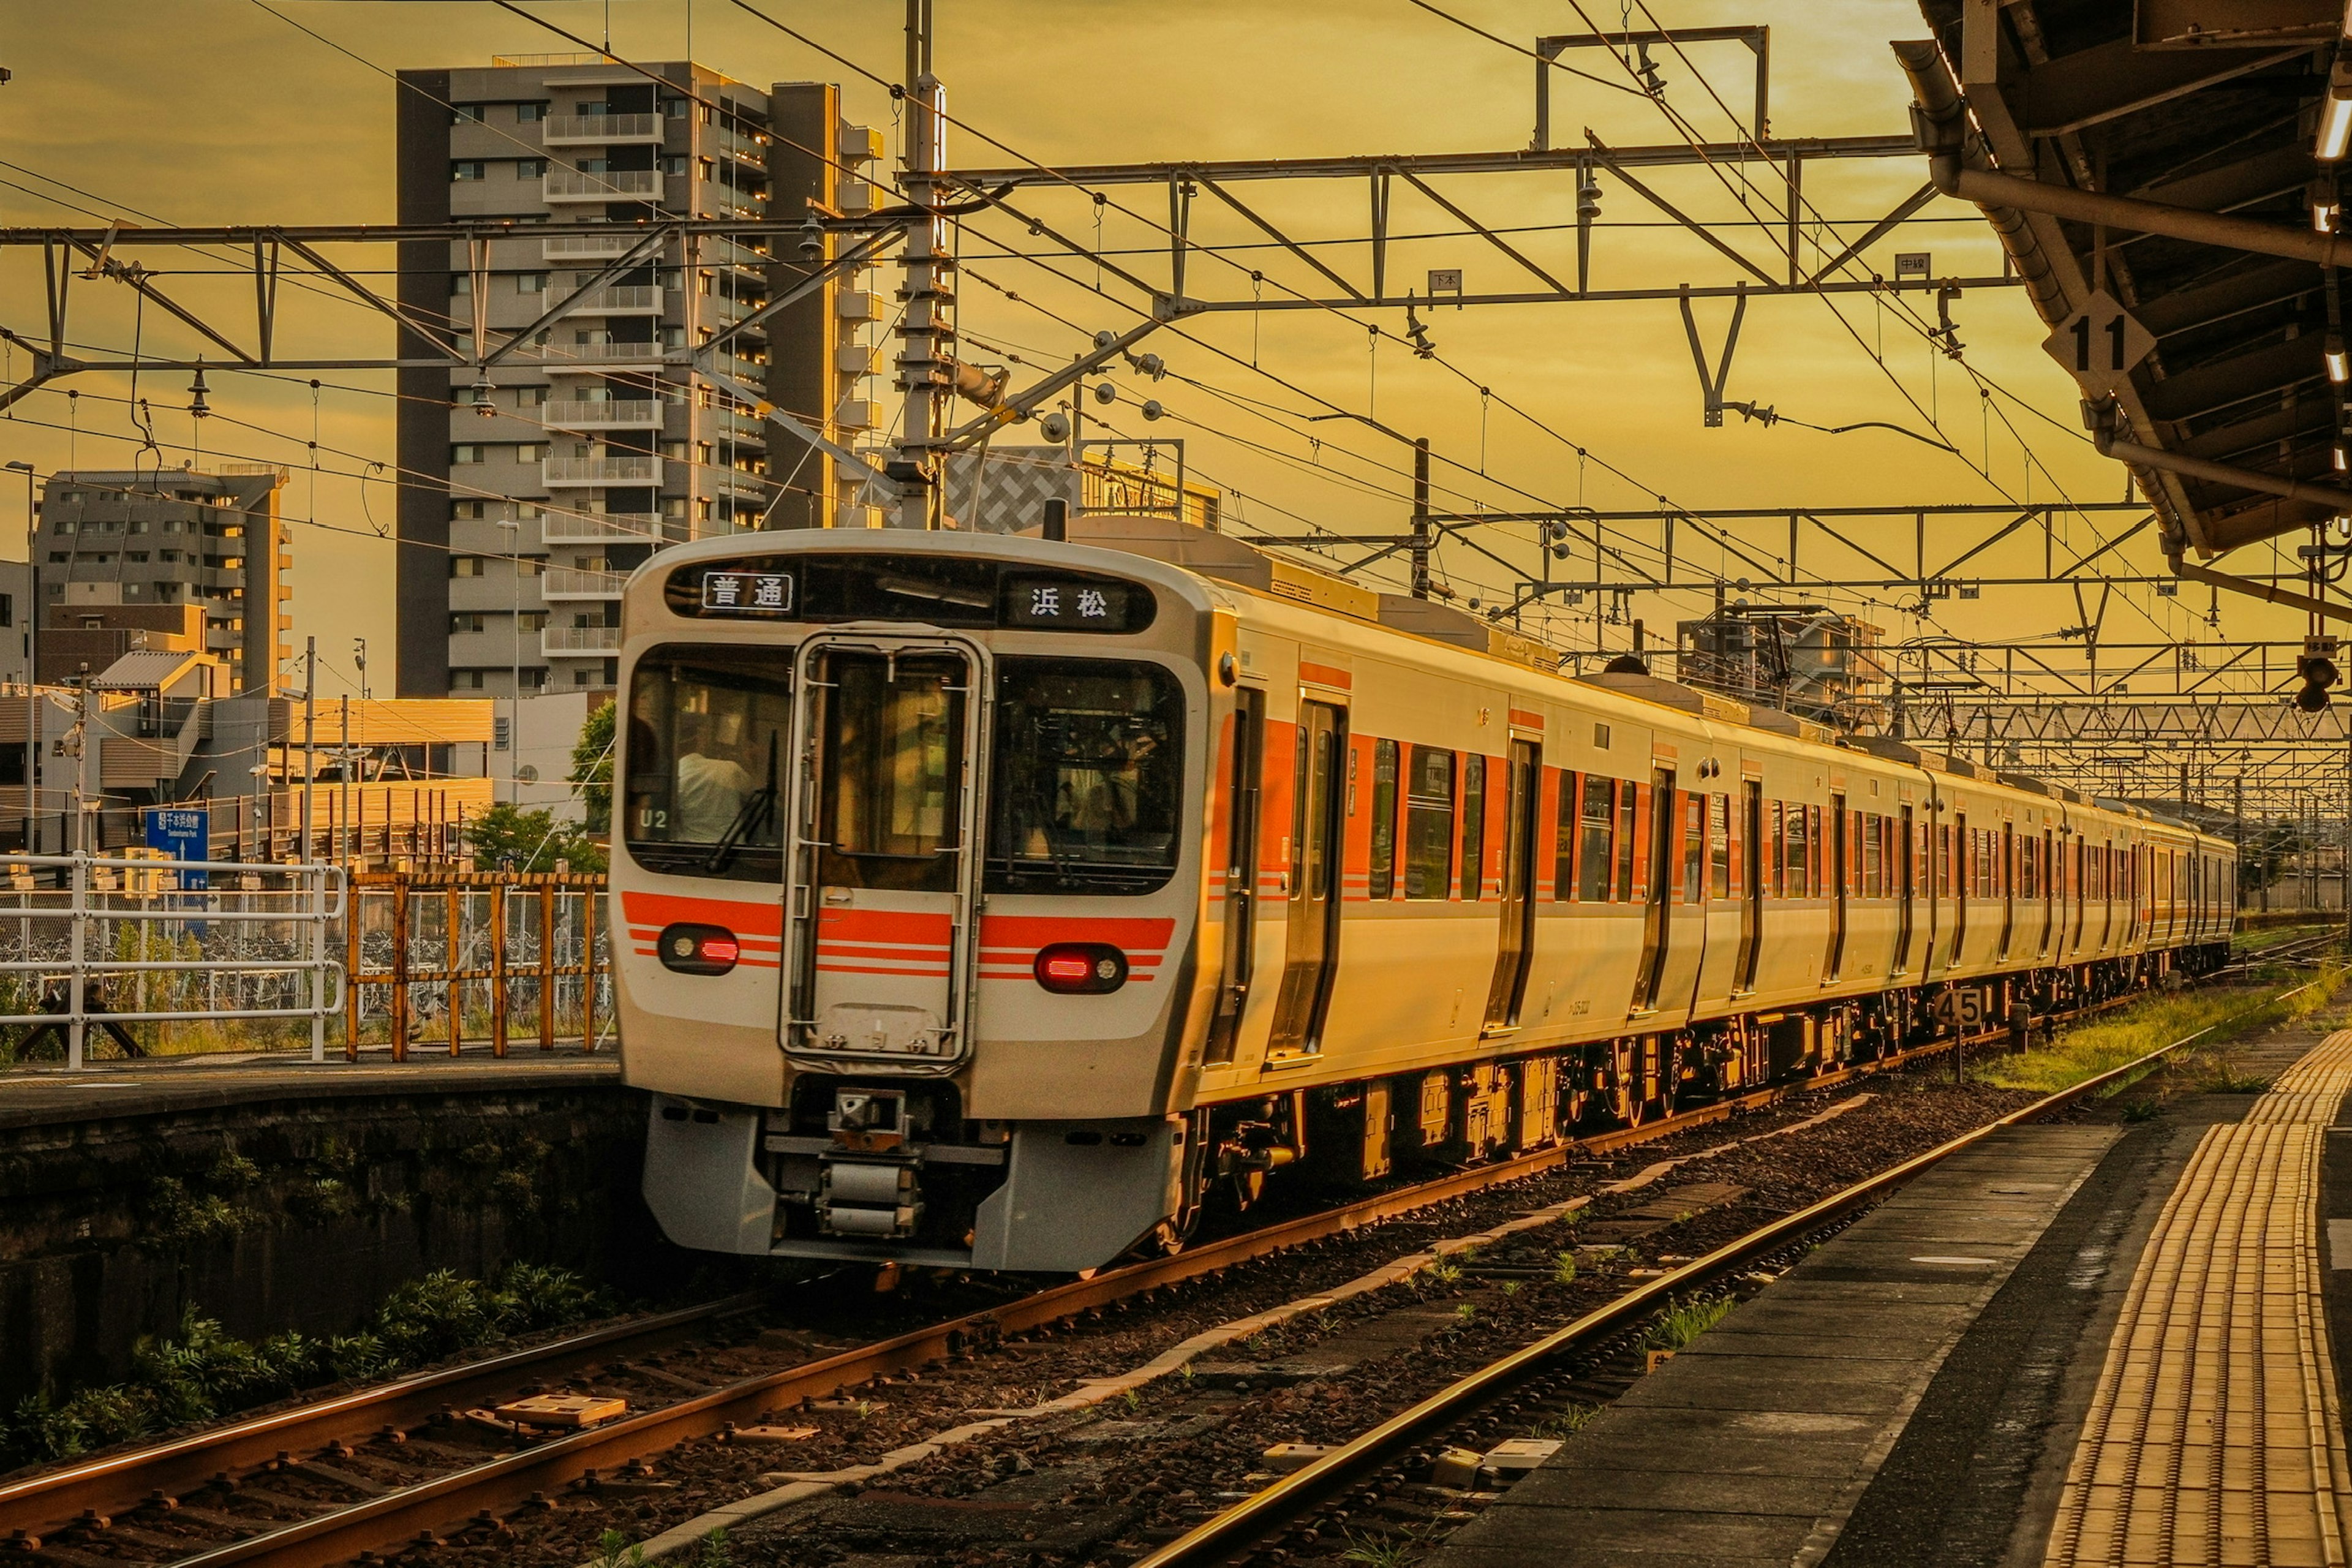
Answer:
(164, 1085)
(2096, 1343)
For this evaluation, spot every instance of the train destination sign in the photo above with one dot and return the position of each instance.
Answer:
(748, 593)
(940, 590)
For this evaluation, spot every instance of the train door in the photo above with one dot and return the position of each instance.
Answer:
(2007, 871)
(1751, 890)
(2074, 888)
(882, 797)
(1908, 885)
(1311, 946)
(2106, 893)
(1841, 852)
(1963, 871)
(1245, 769)
(1656, 922)
(1516, 944)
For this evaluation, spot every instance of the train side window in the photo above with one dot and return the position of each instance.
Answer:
(1694, 841)
(1626, 817)
(1474, 828)
(1563, 843)
(1597, 849)
(1776, 851)
(1429, 823)
(1719, 845)
(1873, 857)
(1801, 851)
(1385, 793)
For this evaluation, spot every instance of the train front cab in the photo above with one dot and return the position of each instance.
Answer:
(908, 886)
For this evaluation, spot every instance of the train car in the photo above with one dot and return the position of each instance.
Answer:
(1002, 902)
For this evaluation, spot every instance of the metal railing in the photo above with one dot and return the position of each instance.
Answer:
(559, 642)
(564, 582)
(569, 130)
(612, 186)
(597, 527)
(630, 470)
(464, 954)
(104, 942)
(572, 414)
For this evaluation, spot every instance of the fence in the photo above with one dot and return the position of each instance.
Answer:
(463, 954)
(169, 946)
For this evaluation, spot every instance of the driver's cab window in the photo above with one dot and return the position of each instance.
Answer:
(707, 728)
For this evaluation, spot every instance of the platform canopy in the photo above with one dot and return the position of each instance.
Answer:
(2164, 175)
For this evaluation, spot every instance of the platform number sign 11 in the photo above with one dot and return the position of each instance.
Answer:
(2100, 344)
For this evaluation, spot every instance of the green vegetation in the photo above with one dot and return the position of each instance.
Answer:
(1384, 1549)
(2246, 942)
(2132, 1032)
(592, 768)
(203, 1371)
(1563, 1267)
(1679, 1324)
(1566, 1422)
(507, 836)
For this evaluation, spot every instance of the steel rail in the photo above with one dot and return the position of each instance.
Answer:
(113, 1483)
(1245, 1528)
(117, 1483)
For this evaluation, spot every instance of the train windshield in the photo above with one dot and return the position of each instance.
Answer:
(1088, 776)
(707, 728)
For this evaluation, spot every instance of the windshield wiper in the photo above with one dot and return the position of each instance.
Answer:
(756, 809)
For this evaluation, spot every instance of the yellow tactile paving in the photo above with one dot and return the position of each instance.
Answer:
(2214, 1436)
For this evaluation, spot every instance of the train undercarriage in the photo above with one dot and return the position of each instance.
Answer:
(1340, 1135)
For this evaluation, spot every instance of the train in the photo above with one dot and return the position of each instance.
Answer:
(1001, 902)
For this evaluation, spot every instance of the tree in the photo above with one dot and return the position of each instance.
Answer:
(592, 768)
(507, 838)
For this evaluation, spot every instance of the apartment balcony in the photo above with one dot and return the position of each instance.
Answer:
(612, 186)
(621, 300)
(601, 130)
(578, 642)
(615, 414)
(559, 472)
(565, 582)
(599, 356)
(733, 482)
(601, 528)
(589, 247)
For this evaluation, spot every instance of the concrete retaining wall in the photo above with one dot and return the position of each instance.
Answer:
(303, 1210)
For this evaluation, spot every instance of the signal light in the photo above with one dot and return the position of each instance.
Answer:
(2315, 668)
(1080, 968)
(690, 948)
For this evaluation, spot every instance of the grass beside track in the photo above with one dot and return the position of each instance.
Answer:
(2250, 942)
(2134, 1031)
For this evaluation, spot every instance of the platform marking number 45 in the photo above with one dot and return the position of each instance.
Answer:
(2101, 343)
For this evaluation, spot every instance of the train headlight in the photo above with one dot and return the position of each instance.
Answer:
(1081, 968)
(697, 949)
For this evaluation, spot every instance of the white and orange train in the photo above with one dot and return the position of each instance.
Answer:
(997, 901)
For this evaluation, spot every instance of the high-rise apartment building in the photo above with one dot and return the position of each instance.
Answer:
(162, 552)
(528, 493)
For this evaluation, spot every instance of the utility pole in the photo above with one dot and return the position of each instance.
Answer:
(924, 329)
(343, 786)
(32, 663)
(1421, 518)
(310, 735)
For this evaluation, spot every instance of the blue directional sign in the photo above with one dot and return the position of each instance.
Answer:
(184, 834)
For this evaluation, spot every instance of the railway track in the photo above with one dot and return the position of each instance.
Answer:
(1291, 1515)
(370, 1471)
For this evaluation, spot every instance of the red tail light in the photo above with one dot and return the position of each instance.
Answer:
(1081, 968)
(697, 949)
